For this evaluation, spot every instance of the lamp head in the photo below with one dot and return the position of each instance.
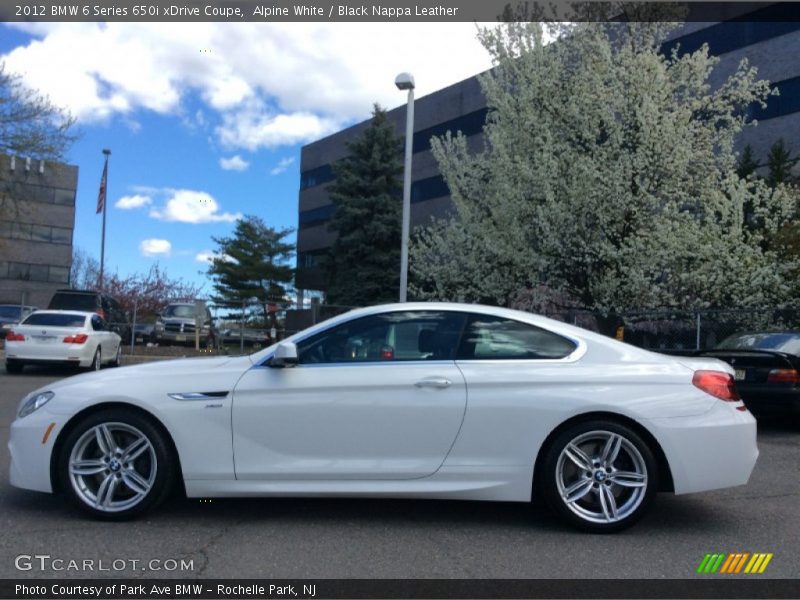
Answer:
(404, 81)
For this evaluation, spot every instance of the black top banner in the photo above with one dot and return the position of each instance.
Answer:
(240, 11)
(317, 589)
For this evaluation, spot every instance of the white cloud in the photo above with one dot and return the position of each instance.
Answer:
(191, 206)
(207, 256)
(262, 84)
(234, 163)
(131, 202)
(283, 164)
(155, 247)
(256, 127)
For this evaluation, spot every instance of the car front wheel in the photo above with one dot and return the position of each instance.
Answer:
(116, 464)
(599, 476)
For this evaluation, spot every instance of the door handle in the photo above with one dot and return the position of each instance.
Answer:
(434, 382)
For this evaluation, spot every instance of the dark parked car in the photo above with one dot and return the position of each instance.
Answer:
(11, 314)
(97, 302)
(143, 332)
(177, 323)
(767, 367)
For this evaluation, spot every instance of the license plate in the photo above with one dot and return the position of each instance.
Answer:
(180, 338)
(739, 374)
(44, 339)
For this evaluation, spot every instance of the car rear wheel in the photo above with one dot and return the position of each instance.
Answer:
(118, 357)
(96, 362)
(116, 464)
(600, 476)
(13, 367)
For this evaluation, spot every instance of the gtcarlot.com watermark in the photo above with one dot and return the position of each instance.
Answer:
(48, 563)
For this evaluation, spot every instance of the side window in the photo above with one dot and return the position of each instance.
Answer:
(497, 338)
(395, 336)
(98, 324)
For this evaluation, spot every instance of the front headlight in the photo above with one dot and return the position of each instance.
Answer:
(34, 402)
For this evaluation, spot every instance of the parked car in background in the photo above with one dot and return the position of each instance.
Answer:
(415, 400)
(143, 332)
(767, 370)
(11, 314)
(176, 324)
(53, 337)
(235, 336)
(101, 303)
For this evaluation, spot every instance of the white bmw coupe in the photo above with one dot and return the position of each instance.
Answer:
(415, 400)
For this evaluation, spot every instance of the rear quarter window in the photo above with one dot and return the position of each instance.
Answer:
(497, 338)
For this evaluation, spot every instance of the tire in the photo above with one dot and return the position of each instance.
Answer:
(110, 488)
(603, 499)
(115, 362)
(14, 367)
(96, 361)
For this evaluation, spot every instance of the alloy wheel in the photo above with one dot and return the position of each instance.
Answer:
(112, 467)
(601, 477)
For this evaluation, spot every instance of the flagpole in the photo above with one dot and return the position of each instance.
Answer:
(106, 152)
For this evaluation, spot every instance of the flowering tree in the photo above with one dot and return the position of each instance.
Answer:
(608, 174)
(150, 291)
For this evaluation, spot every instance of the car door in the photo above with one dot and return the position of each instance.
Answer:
(378, 397)
(103, 337)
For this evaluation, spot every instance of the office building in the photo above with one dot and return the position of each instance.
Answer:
(37, 218)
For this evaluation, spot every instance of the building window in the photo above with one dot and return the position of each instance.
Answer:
(61, 235)
(64, 197)
(40, 233)
(59, 275)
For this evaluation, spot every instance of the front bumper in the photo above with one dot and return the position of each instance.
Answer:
(710, 451)
(30, 452)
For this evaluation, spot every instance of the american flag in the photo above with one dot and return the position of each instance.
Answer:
(101, 196)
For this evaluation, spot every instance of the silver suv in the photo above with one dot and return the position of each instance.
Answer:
(176, 324)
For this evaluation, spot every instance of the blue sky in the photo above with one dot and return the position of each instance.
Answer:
(205, 121)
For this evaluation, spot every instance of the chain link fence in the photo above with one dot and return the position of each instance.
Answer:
(677, 331)
(236, 326)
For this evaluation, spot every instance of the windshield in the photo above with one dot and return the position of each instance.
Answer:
(55, 320)
(182, 311)
(70, 301)
(10, 312)
(779, 342)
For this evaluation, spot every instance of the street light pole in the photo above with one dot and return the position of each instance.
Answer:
(405, 81)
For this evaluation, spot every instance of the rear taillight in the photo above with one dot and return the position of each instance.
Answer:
(14, 337)
(718, 384)
(79, 338)
(783, 376)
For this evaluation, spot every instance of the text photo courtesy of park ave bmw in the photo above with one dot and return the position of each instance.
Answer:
(405, 299)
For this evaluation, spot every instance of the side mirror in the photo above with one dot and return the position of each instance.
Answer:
(285, 356)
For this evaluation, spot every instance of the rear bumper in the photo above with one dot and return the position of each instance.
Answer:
(50, 354)
(710, 451)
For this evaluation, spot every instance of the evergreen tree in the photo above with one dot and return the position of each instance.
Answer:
(747, 163)
(364, 261)
(780, 163)
(253, 262)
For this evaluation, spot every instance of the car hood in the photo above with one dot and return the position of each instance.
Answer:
(164, 375)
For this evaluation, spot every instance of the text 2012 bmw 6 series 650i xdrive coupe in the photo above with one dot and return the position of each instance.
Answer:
(420, 400)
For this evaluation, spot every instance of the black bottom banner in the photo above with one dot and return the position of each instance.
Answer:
(111, 589)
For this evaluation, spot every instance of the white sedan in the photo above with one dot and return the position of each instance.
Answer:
(66, 337)
(415, 400)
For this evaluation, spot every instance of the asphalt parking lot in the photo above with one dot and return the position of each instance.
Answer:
(303, 538)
